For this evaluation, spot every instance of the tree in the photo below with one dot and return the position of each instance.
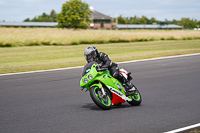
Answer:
(120, 20)
(152, 20)
(174, 21)
(44, 18)
(27, 20)
(143, 20)
(187, 23)
(198, 24)
(167, 22)
(53, 15)
(75, 14)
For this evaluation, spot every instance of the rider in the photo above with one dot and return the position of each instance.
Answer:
(91, 54)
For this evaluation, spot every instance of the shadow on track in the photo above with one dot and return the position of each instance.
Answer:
(93, 106)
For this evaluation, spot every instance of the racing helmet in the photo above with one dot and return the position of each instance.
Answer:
(90, 53)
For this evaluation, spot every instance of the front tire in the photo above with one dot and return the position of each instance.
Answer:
(102, 102)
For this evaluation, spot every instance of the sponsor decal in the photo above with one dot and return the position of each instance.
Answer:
(116, 92)
(119, 94)
(119, 87)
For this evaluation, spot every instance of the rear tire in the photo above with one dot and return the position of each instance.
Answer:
(136, 99)
(96, 95)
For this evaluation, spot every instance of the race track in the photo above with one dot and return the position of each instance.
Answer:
(52, 102)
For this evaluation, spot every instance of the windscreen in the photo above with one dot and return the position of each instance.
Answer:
(87, 68)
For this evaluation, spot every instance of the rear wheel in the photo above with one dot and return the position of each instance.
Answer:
(136, 98)
(103, 102)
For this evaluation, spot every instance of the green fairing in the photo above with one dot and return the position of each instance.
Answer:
(103, 76)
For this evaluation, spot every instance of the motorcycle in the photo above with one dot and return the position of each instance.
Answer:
(104, 89)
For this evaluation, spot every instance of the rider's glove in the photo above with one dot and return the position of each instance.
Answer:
(100, 64)
(99, 67)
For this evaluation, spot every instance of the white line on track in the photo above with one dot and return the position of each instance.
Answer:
(184, 128)
(168, 57)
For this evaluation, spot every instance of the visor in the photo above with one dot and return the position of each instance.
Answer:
(89, 58)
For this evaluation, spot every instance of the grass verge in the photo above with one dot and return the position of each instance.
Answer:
(12, 37)
(193, 131)
(22, 59)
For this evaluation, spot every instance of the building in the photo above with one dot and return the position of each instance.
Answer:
(100, 21)
(28, 24)
(148, 26)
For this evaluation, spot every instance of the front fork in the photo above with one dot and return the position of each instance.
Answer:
(103, 92)
(101, 87)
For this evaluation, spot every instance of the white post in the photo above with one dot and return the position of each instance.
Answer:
(116, 21)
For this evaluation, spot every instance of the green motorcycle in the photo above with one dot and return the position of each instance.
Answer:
(105, 90)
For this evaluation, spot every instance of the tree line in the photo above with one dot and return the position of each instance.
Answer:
(44, 18)
(75, 13)
(186, 22)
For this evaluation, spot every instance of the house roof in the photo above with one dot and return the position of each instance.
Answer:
(97, 15)
(147, 26)
(30, 24)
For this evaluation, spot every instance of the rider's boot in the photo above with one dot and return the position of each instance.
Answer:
(128, 85)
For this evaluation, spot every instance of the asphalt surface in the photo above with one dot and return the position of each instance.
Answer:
(52, 102)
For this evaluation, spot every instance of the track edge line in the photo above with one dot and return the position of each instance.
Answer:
(167, 57)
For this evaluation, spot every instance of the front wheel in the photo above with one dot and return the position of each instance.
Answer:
(136, 98)
(102, 102)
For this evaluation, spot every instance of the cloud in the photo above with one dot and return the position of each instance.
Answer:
(2, 2)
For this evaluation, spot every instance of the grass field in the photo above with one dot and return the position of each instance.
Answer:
(10, 37)
(32, 58)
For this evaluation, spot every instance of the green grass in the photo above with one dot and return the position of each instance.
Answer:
(32, 58)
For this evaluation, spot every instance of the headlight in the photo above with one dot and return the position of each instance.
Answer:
(90, 77)
(85, 81)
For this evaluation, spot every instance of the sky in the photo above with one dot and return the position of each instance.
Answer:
(19, 10)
